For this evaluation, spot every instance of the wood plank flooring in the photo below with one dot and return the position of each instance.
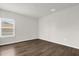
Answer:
(37, 47)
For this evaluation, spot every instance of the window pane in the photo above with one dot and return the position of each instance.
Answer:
(7, 27)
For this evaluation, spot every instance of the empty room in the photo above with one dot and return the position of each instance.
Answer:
(39, 29)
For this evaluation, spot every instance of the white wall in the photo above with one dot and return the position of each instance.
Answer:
(61, 27)
(26, 27)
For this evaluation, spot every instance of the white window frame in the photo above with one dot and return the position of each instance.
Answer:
(1, 36)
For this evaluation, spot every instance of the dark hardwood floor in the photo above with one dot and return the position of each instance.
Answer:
(37, 47)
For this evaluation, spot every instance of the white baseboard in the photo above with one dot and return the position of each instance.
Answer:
(61, 43)
(14, 42)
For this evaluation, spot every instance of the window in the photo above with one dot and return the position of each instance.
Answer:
(7, 27)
